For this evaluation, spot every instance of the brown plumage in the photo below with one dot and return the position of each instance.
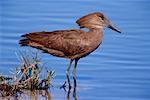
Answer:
(71, 44)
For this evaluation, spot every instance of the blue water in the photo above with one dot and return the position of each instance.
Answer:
(118, 70)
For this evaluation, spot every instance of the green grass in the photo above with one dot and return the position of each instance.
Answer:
(26, 76)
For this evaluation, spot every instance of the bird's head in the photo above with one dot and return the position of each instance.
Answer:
(96, 20)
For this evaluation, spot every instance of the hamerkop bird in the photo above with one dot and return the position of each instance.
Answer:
(72, 44)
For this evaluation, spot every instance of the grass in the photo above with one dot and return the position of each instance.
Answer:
(28, 76)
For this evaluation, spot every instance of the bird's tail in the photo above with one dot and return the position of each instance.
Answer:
(24, 35)
(24, 42)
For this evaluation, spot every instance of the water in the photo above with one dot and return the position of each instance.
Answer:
(118, 70)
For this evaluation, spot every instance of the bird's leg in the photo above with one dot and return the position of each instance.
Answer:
(74, 77)
(68, 73)
(74, 71)
(68, 76)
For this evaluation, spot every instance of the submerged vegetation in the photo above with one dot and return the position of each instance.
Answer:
(30, 75)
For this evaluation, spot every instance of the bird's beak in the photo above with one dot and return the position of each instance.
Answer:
(111, 26)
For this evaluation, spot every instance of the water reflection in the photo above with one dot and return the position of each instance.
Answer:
(74, 94)
(34, 95)
(42, 95)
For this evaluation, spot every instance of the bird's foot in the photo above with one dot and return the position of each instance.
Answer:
(63, 86)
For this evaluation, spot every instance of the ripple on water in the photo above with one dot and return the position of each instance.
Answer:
(118, 70)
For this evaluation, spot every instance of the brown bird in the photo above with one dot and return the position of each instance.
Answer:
(71, 44)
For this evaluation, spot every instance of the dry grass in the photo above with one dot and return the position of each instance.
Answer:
(26, 76)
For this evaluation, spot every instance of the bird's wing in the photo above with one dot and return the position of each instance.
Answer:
(70, 42)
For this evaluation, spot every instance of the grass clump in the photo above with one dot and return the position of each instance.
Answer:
(29, 75)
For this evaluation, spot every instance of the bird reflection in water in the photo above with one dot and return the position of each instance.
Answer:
(74, 92)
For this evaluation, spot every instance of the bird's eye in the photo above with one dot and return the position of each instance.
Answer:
(102, 17)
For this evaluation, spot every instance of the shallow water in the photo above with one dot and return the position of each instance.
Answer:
(118, 70)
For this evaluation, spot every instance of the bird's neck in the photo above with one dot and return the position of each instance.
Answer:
(96, 32)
